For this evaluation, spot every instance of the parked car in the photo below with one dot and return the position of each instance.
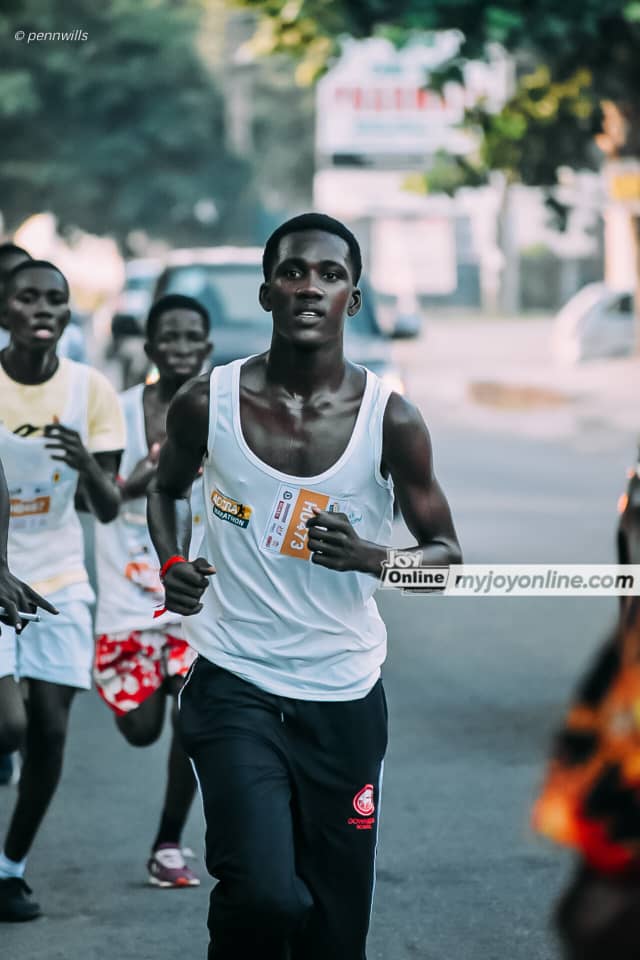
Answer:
(226, 280)
(399, 316)
(597, 322)
(127, 321)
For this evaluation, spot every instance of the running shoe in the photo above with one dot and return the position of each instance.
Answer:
(16, 904)
(167, 868)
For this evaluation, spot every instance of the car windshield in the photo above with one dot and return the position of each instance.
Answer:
(230, 294)
(140, 282)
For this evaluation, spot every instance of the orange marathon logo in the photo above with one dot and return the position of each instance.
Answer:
(30, 508)
(225, 508)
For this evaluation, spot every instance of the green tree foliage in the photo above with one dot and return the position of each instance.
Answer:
(119, 132)
(577, 63)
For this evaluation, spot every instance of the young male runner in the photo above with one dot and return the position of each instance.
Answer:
(283, 712)
(71, 344)
(61, 427)
(141, 660)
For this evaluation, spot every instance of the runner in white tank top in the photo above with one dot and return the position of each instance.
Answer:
(142, 658)
(61, 432)
(283, 712)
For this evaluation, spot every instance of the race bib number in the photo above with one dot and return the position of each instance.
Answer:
(286, 530)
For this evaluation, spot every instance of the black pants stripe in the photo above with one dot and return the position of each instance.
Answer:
(291, 794)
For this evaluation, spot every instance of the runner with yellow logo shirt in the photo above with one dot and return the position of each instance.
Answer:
(61, 431)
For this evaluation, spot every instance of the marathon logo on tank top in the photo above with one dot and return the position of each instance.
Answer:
(226, 508)
(286, 532)
(30, 504)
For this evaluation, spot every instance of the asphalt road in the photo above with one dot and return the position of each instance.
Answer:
(475, 686)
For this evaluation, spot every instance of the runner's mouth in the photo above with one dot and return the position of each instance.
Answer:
(43, 332)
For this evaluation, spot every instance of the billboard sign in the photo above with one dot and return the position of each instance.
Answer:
(374, 102)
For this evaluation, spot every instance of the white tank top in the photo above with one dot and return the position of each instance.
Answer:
(129, 587)
(271, 616)
(45, 535)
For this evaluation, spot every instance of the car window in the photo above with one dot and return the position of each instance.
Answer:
(140, 283)
(230, 293)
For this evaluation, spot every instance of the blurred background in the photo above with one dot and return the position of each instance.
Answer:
(487, 155)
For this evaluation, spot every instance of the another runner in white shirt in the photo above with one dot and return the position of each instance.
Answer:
(142, 659)
(61, 432)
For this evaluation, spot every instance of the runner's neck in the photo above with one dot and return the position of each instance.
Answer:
(305, 372)
(27, 366)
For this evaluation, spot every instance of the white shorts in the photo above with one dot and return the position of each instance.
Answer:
(59, 648)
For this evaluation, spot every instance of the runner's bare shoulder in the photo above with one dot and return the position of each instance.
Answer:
(188, 416)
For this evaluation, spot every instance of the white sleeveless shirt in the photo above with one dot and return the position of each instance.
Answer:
(46, 545)
(129, 587)
(269, 615)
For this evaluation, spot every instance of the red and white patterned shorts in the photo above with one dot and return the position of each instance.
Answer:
(129, 667)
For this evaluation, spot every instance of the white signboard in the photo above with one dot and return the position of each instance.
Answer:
(374, 101)
(414, 255)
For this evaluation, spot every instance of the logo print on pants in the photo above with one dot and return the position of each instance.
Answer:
(363, 801)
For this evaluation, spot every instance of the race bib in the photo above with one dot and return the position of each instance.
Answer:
(286, 531)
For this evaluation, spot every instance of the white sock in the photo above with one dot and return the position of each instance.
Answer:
(11, 868)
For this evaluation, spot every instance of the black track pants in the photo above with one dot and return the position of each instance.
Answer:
(291, 793)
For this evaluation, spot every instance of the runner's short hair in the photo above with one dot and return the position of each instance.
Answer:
(311, 221)
(174, 301)
(9, 249)
(32, 265)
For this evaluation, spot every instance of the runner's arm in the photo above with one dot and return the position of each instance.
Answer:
(97, 487)
(407, 457)
(168, 498)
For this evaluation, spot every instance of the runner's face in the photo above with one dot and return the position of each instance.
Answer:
(311, 288)
(180, 344)
(37, 308)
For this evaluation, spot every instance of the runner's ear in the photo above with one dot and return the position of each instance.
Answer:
(264, 297)
(354, 303)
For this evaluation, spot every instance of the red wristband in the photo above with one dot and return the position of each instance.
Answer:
(166, 566)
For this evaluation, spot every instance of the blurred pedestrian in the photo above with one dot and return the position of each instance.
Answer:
(61, 428)
(284, 713)
(141, 661)
(591, 801)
